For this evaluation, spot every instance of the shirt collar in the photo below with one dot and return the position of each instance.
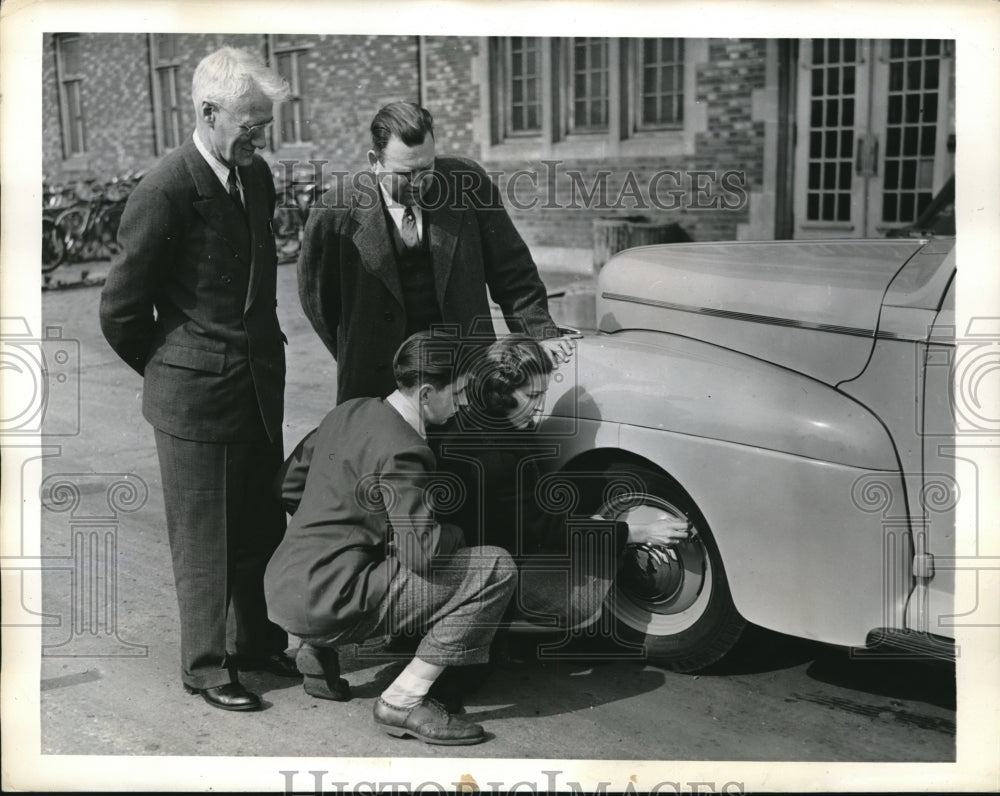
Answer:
(396, 211)
(221, 169)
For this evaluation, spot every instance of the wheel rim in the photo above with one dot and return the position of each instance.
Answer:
(659, 591)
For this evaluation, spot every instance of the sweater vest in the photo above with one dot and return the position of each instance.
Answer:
(416, 275)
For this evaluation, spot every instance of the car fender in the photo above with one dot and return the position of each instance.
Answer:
(672, 383)
(789, 474)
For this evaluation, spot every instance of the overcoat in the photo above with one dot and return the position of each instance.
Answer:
(349, 284)
(212, 356)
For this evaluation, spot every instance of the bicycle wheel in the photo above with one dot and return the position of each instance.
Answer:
(71, 225)
(107, 230)
(53, 248)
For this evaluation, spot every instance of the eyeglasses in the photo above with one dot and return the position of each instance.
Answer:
(250, 129)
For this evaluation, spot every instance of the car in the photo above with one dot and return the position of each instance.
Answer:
(938, 218)
(791, 399)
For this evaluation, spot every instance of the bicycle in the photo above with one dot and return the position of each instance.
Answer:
(290, 214)
(55, 198)
(89, 229)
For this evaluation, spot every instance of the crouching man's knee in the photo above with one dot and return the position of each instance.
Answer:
(497, 568)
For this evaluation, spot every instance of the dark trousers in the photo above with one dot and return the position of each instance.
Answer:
(224, 523)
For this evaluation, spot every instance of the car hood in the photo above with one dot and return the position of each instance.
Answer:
(813, 306)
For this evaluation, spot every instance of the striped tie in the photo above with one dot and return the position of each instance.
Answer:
(234, 189)
(411, 238)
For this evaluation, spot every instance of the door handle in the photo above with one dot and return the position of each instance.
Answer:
(866, 156)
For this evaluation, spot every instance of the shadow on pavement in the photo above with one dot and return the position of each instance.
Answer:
(917, 680)
(760, 651)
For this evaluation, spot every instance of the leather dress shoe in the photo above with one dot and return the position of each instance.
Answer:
(320, 668)
(276, 663)
(428, 721)
(229, 696)
(451, 688)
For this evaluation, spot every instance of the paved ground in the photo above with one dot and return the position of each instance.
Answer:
(109, 672)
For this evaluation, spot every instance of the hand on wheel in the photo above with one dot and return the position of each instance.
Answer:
(664, 531)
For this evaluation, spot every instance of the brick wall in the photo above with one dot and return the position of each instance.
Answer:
(450, 93)
(117, 100)
(347, 78)
(709, 209)
(52, 152)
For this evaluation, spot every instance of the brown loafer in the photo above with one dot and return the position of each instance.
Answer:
(428, 721)
(320, 669)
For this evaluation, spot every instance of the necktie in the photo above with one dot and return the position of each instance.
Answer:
(234, 189)
(411, 238)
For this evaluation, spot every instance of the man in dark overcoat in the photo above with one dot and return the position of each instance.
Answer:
(419, 242)
(189, 304)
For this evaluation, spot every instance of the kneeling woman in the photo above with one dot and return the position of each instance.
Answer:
(566, 565)
(364, 555)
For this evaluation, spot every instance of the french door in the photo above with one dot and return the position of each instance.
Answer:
(872, 125)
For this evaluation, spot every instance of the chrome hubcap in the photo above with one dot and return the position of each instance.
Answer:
(662, 580)
(672, 583)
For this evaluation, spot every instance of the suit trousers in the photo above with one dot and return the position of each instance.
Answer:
(224, 523)
(457, 607)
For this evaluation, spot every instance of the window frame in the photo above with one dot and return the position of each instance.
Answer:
(159, 65)
(64, 79)
(567, 80)
(622, 136)
(638, 126)
(297, 103)
(507, 88)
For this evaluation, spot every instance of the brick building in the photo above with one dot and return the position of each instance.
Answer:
(729, 138)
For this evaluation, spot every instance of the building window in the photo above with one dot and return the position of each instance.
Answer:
(833, 95)
(168, 120)
(590, 93)
(589, 75)
(69, 70)
(523, 59)
(289, 58)
(911, 130)
(659, 103)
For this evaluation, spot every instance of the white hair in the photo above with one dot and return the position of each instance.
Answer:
(229, 75)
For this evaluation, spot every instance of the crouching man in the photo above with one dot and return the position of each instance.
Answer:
(364, 555)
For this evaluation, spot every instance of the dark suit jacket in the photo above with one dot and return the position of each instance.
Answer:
(365, 472)
(350, 289)
(212, 356)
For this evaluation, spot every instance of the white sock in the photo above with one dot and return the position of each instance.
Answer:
(407, 691)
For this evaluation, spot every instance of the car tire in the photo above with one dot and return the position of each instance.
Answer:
(673, 602)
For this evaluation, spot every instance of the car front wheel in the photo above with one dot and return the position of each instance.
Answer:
(674, 601)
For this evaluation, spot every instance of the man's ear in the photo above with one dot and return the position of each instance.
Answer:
(424, 392)
(372, 159)
(208, 113)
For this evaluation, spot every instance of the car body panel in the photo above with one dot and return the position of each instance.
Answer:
(812, 308)
(803, 402)
(787, 571)
(677, 384)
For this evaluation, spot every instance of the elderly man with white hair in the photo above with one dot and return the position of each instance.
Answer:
(189, 304)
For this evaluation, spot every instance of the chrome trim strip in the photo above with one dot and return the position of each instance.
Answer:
(765, 319)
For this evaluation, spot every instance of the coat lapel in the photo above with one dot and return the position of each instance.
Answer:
(442, 226)
(255, 196)
(215, 205)
(372, 239)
